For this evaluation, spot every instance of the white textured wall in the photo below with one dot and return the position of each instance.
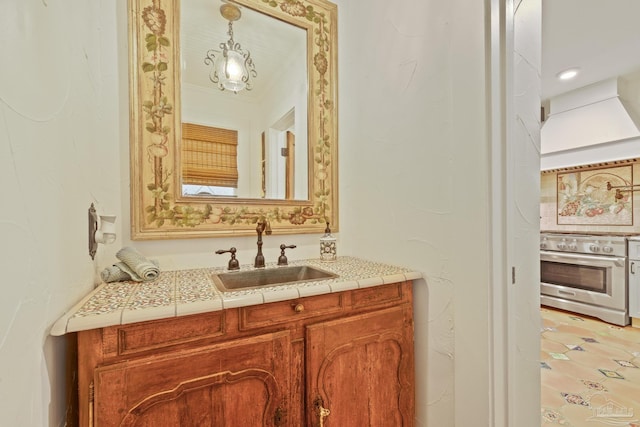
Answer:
(523, 304)
(414, 183)
(61, 123)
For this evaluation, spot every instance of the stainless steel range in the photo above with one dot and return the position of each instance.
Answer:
(585, 274)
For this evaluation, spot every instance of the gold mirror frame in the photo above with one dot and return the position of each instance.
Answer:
(158, 211)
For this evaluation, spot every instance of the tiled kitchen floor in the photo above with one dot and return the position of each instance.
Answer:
(590, 372)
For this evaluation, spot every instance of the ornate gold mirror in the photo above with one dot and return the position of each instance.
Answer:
(274, 145)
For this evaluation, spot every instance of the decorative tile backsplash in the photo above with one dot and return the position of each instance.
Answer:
(590, 198)
(576, 199)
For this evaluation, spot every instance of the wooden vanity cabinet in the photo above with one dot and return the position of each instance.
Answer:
(336, 360)
(360, 370)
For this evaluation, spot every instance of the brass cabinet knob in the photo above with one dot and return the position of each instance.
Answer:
(298, 308)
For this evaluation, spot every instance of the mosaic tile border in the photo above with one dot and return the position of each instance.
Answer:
(181, 292)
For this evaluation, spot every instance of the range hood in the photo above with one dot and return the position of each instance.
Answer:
(595, 114)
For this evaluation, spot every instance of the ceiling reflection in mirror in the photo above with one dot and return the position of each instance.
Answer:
(268, 118)
(278, 140)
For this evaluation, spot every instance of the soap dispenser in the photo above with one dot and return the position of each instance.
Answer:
(328, 249)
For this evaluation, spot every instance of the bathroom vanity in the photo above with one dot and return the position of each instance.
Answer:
(335, 352)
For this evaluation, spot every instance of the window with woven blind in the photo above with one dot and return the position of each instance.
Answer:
(209, 156)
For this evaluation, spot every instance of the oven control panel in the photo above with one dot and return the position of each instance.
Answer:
(584, 244)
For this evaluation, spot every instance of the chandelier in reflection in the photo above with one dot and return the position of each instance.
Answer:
(232, 68)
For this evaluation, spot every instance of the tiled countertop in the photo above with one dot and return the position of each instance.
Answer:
(183, 292)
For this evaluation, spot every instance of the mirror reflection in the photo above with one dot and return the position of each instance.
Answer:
(242, 142)
(287, 137)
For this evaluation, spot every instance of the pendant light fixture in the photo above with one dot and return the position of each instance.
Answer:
(232, 68)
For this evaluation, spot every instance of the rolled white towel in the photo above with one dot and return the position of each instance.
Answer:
(120, 272)
(114, 274)
(139, 267)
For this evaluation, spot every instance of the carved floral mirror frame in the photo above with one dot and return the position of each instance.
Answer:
(158, 211)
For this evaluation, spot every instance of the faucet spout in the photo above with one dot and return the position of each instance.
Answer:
(262, 227)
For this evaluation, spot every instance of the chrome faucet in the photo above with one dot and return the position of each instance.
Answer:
(263, 227)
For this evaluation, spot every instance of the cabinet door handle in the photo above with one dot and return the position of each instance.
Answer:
(91, 402)
(633, 264)
(279, 417)
(322, 413)
(298, 308)
(320, 410)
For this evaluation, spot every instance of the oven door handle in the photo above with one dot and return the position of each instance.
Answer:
(558, 256)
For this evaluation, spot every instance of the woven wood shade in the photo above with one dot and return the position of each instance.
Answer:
(209, 156)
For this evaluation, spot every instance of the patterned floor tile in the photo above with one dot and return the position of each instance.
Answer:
(625, 363)
(561, 382)
(552, 346)
(575, 370)
(599, 382)
(611, 374)
(574, 347)
(554, 417)
(574, 399)
(593, 385)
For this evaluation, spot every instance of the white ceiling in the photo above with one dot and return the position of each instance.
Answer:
(601, 37)
(272, 43)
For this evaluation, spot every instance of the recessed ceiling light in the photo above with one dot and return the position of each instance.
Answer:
(568, 74)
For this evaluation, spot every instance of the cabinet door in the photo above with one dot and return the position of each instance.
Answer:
(360, 370)
(237, 383)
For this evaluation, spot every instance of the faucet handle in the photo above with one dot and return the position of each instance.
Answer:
(234, 264)
(282, 260)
